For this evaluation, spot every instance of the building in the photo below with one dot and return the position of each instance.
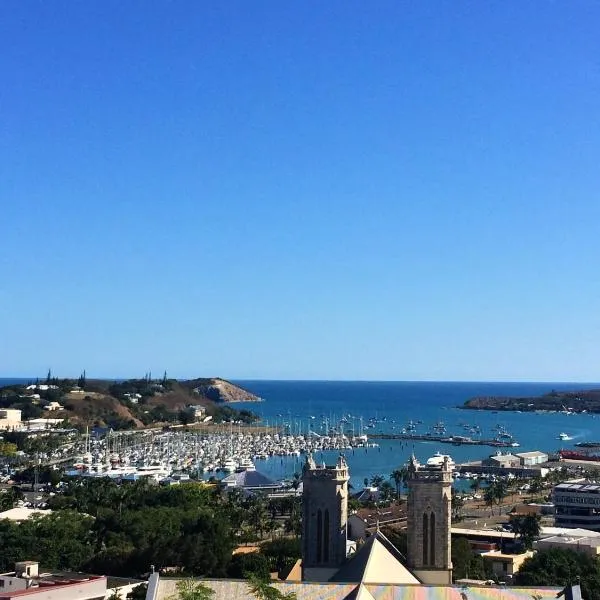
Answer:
(505, 565)
(250, 480)
(365, 521)
(531, 459)
(586, 544)
(53, 406)
(324, 518)
(27, 582)
(503, 461)
(197, 411)
(429, 520)
(22, 513)
(577, 505)
(10, 418)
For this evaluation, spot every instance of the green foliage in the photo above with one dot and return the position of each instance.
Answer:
(262, 589)
(245, 565)
(527, 527)
(7, 449)
(188, 589)
(465, 562)
(558, 567)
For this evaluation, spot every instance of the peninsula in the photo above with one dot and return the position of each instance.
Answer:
(127, 404)
(584, 401)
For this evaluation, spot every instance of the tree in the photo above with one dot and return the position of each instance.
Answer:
(377, 480)
(188, 589)
(262, 589)
(560, 567)
(457, 504)
(399, 476)
(465, 562)
(527, 527)
(489, 496)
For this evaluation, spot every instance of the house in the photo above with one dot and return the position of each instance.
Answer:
(26, 581)
(530, 459)
(586, 544)
(53, 406)
(365, 521)
(10, 418)
(505, 565)
(197, 411)
(134, 398)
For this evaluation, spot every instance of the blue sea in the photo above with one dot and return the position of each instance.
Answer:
(393, 404)
(293, 403)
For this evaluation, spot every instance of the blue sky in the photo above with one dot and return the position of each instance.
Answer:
(340, 190)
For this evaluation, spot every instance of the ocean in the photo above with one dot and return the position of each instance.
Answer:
(295, 402)
(393, 405)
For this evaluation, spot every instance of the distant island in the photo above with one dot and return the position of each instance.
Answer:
(128, 404)
(569, 402)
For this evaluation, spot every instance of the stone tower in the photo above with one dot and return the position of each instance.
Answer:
(324, 516)
(429, 521)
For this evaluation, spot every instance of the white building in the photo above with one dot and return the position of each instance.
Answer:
(10, 418)
(530, 459)
(53, 406)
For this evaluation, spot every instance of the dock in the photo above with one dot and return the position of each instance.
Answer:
(455, 440)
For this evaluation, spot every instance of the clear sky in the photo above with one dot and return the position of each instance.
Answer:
(329, 190)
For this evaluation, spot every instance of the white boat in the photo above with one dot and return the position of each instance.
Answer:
(437, 460)
(229, 465)
(246, 465)
(565, 437)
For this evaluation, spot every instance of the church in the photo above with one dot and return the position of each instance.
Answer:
(324, 538)
(329, 570)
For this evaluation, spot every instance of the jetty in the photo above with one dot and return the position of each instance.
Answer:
(455, 440)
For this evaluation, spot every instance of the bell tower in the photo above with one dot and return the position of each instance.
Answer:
(324, 516)
(429, 521)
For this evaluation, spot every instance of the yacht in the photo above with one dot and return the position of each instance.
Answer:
(229, 465)
(437, 460)
(246, 465)
(564, 437)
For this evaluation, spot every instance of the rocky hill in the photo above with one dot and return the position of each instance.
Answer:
(571, 401)
(127, 404)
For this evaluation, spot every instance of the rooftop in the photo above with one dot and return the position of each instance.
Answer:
(592, 488)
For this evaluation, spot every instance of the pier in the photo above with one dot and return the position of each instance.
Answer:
(455, 440)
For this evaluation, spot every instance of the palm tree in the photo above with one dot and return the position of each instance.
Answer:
(263, 590)
(400, 477)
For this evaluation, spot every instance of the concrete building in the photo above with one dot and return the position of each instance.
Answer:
(503, 461)
(324, 517)
(27, 582)
(585, 544)
(503, 564)
(577, 505)
(197, 411)
(429, 519)
(10, 418)
(531, 459)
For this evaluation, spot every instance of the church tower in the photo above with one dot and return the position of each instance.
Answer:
(429, 521)
(324, 516)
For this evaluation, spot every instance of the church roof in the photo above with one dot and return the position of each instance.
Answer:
(377, 561)
(249, 479)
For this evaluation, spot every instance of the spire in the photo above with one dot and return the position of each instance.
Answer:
(310, 462)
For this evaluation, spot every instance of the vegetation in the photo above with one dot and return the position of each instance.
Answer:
(467, 564)
(127, 404)
(558, 567)
(188, 589)
(262, 589)
(527, 527)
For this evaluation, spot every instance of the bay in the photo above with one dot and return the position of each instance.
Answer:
(295, 402)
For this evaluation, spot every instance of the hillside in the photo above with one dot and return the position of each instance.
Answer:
(571, 401)
(127, 404)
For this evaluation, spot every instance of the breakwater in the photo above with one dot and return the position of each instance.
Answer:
(444, 439)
